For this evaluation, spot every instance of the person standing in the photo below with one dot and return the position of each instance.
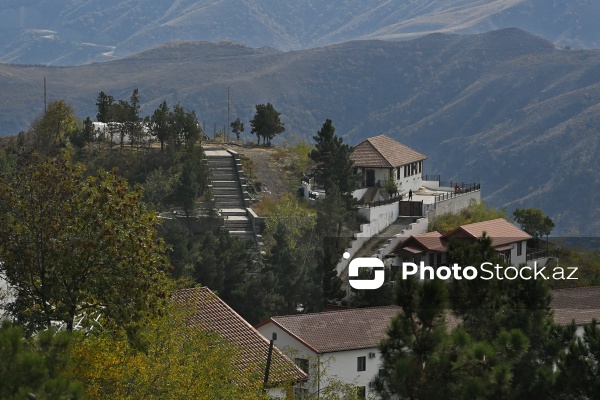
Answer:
(410, 195)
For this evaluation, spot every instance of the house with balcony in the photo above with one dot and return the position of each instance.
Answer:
(431, 248)
(380, 158)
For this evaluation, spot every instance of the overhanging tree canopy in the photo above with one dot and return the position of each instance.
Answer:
(72, 245)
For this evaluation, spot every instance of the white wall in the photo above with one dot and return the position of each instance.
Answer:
(409, 183)
(292, 348)
(341, 365)
(380, 218)
(455, 204)
(518, 260)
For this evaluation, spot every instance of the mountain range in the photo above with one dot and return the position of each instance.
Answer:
(506, 108)
(75, 32)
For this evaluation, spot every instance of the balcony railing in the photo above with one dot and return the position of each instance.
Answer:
(536, 255)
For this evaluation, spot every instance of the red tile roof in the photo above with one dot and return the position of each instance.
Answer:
(326, 332)
(581, 304)
(384, 152)
(214, 315)
(430, 241)
(499, 230)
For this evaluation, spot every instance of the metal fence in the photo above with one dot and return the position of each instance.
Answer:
(378, 203)
(464, 188)
(434, 178)
(536, 255)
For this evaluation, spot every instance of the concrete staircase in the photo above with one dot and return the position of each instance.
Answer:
(229, 191)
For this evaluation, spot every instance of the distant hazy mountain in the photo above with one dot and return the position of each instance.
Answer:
(74, 32)
(507, 109)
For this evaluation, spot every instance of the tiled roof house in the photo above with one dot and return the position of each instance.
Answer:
(214, 315)
(381, 157)
(507, 239)
(345, 340)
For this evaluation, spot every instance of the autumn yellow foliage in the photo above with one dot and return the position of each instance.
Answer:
(169, 361)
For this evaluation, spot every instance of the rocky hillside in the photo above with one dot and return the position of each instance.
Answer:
(74, 32)
(506, 108)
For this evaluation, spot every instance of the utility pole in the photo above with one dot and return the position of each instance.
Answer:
(228, 108)
(45, 106)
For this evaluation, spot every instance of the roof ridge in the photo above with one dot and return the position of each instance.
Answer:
(336, 311)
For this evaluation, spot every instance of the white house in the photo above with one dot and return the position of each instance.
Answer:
(380, 158)
(508, 240)
(339, 344)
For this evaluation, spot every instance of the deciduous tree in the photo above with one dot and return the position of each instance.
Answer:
(72, 245)
(176, 361)
(289, 237)
(534, 222)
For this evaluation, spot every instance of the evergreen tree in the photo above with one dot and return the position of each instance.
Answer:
(579, 366)
(489, 307)
(266, 123)
(237, 127)
(289, 239)
(35, 368)
(424, 359)
(334, 166)
(104, 103)
(160, 126)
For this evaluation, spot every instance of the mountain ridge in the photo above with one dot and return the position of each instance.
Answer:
(75, 32)
(505, 108)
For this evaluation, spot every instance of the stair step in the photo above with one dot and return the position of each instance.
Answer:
(248, 234)
(225, 184)
(234, 212)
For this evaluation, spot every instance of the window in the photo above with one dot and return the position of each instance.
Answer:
(274, 336)
(519, 248)
(414, 168)
(398, 173)
(361, 363)
(300, 393)
(361, 391)
(406, 170)
(302, 363)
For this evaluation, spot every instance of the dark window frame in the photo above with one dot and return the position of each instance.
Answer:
(361, 363)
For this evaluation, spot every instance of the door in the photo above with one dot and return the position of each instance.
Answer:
(370, 178)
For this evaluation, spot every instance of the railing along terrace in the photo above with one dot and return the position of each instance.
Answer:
(378, 203)
(536, 255)
(432, 178)
(461, 189)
